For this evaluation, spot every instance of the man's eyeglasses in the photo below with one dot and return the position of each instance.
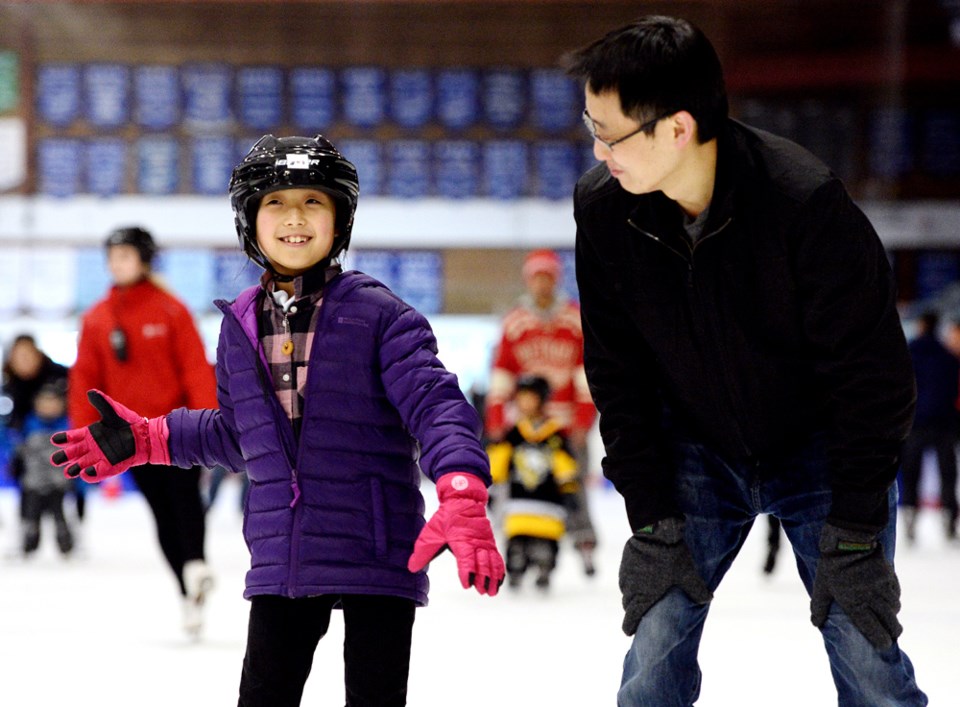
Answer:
(592, 129)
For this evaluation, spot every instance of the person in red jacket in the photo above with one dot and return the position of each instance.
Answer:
(139, 345)
(542, 336)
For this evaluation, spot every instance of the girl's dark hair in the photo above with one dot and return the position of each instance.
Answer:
(658, 65)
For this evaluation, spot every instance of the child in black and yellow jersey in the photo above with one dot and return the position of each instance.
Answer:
(535, 463)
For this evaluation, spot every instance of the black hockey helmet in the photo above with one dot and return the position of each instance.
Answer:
(535, 384)
(135, 236)
(292, 162)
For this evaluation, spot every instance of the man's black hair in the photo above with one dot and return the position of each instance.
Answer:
(659, 66)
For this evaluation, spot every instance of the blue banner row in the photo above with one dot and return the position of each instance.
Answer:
(455, 169)
(215, 96)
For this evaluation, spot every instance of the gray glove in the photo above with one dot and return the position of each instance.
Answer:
(655, 559)
(853, 572)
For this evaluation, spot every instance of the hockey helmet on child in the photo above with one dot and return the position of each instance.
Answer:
(288, 163)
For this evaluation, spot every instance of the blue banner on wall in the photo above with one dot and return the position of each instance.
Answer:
(313, 98)
(411, 97)
(891, 143)
(212, 158)
(93, 278)
(367, 157)
(504, 98)
(409, 169)
(588, 160)
(260, 97)
(556, 102)
(557, 168)
(940, 135)
(158, 165)
(414, 276)
(505, 169)
(936, 270)
(418, 278)
(207, 95)
(233, 272)
(156, 96)
(456, 168)
(378, 264)
(364, 95)
(58, 93)
(107, 91)
(190, 274)
(58, 166)
(105, 166)
(568, 278)
(458, 98)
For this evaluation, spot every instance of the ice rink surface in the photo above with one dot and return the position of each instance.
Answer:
(103, 630)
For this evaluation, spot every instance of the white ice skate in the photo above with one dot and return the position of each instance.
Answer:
(198, 580)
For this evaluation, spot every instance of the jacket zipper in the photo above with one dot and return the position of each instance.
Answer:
(737, 406)
(294, 504)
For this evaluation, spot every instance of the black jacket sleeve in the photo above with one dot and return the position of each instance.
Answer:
(860, 353)
(622, 376)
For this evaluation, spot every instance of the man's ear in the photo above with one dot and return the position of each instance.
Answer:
(684, 128)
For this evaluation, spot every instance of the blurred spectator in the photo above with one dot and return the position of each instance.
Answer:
(542, 336)
(42, 485)
(140, 346)
(535, 464)
(25, 371)
(935, 426)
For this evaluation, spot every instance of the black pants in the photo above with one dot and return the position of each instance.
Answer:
(524, 551)
(943, 441)
(173, 495)
(33, 506)
(283, 635)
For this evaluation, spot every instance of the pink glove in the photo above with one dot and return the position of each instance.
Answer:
(461, 524)
(120, 440)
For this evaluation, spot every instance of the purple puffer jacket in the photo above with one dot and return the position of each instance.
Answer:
(339, 512)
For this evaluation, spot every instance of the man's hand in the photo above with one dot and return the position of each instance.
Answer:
(654, 560)
(853, 572)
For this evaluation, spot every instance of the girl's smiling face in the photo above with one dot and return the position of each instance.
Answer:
(295, 228)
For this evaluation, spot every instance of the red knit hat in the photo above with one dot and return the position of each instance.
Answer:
(543, 260)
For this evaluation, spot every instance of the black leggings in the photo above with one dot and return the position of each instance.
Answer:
(173, 495)
(283, 635)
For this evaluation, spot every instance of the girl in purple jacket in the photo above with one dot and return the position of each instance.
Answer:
(332, 399)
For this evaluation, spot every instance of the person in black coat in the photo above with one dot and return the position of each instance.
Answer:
(935, 425)
(743, 347)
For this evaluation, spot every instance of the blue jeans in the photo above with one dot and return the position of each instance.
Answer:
(720, 501)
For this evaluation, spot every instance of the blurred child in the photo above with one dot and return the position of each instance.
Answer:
(332, 399)
(536, 463)
(42, 484)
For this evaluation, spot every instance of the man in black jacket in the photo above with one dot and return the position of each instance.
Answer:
(746, 357)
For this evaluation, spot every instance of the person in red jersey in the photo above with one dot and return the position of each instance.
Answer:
(541, 336)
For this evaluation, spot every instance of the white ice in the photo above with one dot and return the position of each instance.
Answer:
(104, 630)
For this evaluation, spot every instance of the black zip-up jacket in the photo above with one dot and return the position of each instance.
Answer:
(779, 324)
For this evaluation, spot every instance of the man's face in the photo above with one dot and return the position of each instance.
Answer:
(641, 163)
(125, 265)
(295, 229)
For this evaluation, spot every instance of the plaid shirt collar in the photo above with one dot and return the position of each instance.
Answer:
(287, 325)
(310, 284)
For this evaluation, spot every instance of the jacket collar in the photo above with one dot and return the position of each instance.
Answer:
(660, 215)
